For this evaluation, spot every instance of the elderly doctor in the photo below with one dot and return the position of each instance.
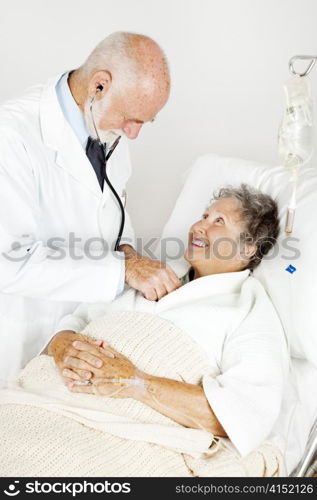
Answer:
(59, 217)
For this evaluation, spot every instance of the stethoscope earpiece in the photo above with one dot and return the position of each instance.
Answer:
(98, 89)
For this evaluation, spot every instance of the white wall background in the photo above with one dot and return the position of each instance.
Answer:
(228, 59)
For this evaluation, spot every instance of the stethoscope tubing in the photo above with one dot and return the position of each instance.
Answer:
(106, 178)
(105, 175)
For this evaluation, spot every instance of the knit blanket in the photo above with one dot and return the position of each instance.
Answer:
(45, 430)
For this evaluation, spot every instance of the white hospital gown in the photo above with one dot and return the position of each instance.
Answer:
(231, 317)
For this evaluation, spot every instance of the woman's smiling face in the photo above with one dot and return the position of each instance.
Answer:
(213, 243)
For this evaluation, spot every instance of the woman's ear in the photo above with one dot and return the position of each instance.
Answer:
(250, 250)
(247, 250)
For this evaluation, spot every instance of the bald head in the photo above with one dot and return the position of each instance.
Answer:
(132, 60)
(151, 63)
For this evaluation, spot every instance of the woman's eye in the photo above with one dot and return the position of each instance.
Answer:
(219, 219)
(205, 216)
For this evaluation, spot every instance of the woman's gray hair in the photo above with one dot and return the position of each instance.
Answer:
(260, 215)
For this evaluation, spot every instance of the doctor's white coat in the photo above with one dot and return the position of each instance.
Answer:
(53, 219)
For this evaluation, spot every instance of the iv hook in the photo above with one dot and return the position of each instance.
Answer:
(312, 60)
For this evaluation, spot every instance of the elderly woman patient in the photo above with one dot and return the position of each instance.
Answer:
(188, 385)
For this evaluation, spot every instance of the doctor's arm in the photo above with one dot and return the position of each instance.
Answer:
(29, 266)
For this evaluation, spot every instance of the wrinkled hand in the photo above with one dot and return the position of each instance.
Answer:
(65, 356)
(151, 277)
(114, 366)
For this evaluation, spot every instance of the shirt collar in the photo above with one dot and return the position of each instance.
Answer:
(71, 111)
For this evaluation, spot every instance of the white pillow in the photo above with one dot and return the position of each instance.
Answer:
(294, 295)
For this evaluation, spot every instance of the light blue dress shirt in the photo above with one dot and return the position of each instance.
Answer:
(75, 118)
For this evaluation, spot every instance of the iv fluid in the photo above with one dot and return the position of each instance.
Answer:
(295, 137)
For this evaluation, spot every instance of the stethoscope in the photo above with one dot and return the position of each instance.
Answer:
(105, 175)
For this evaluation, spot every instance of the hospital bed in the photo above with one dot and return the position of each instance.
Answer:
(289, 275)
(307, 466)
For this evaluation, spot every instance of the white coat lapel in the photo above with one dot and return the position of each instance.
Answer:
(59, 136)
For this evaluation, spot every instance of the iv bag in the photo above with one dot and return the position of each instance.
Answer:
(295, 136)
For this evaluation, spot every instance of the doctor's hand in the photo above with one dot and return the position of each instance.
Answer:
(151, 277)
(66, 356)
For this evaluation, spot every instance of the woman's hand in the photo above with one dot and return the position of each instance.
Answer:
(62, 350)
(111, 378)
(118, 377)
